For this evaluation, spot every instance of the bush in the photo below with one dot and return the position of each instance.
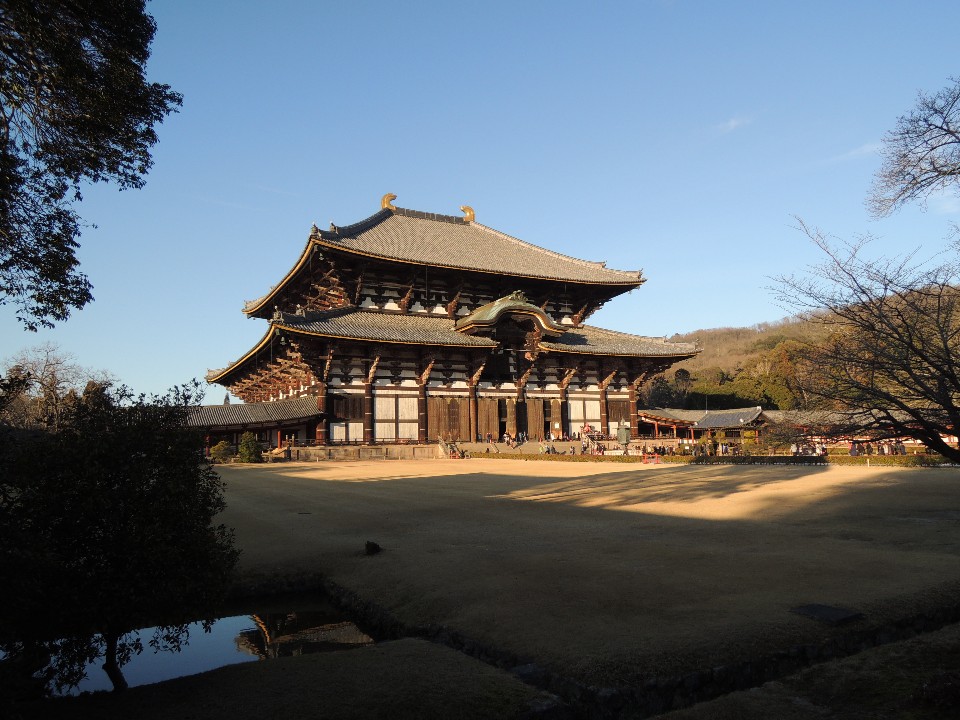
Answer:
(249, 450)
(222, 452)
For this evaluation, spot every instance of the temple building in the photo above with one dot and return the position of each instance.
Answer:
(410, 326)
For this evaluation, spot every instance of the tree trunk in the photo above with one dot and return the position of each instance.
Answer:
(110, 665)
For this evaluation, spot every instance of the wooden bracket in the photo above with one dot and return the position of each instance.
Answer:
(568, 374)
(475, 378)
(452, 305)
(604, 382)
(425, 375)
(372, 372)
(328, 362)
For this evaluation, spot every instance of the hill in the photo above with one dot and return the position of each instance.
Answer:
(737, 367)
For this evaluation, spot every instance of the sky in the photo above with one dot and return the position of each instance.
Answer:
(681, 138)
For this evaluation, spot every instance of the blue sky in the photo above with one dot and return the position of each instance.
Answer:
(676, 137)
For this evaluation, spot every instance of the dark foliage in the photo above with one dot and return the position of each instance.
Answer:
(107, 525)
(76, 107)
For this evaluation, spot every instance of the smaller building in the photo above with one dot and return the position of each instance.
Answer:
(277, 424)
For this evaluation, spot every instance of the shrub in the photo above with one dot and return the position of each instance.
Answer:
(249, 450)
(222, 452)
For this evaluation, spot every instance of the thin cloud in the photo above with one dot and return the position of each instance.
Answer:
(866, 150)
(734, 123)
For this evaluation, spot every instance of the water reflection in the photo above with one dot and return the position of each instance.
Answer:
(235, 639)
(285, 635)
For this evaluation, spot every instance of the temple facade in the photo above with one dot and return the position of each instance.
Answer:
(411, 327)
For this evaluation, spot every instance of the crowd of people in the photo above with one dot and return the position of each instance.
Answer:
(894, 447)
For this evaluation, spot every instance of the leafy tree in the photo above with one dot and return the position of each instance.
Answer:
(682, 382)
(890, 364)
(921, 155)
(75, 107)
(107, 525)
(660, 394)
(249, 450)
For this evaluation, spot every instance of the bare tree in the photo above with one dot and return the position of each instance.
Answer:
(921, 155)
(890, 365)
(49, 378)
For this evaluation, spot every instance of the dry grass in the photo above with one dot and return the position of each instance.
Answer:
(607, 574)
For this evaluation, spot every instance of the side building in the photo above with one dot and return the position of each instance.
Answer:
(410, 326)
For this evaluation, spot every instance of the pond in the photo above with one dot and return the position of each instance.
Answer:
(262, 633)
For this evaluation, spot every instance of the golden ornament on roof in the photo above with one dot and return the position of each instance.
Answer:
(468, 213)
(386, 202)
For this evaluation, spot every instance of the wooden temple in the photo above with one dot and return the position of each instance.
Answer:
(410, 326)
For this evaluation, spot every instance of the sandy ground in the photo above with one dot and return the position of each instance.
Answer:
(609, 574)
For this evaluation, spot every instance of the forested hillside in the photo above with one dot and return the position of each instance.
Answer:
(737, 367)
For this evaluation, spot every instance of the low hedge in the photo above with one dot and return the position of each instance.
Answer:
(891, 460)
(872, 461)
(677, 459)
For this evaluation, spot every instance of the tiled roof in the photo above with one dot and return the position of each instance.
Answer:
(590, 340)
(729, 418)
(710, 419)
(411, 236)
(441, 240)
(667, 414)
(352, 323)
(246, 414)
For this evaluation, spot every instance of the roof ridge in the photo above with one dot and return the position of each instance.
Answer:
(422, 215)
(358, 226)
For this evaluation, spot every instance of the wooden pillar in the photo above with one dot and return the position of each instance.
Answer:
(604, 415)
(474, 412)
(656, 429)
(322, 421)
(422, 413)
(512, 417)
(634, 415)
(564, 411)
(368, 413)
(279, 438)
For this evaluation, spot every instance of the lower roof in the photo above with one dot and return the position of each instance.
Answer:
(440, 331)
(253, 414)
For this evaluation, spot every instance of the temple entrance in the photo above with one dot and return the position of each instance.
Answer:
(488, 419)
(448, 418)
(536, 419)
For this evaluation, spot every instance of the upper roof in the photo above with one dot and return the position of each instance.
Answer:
(444, 241)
